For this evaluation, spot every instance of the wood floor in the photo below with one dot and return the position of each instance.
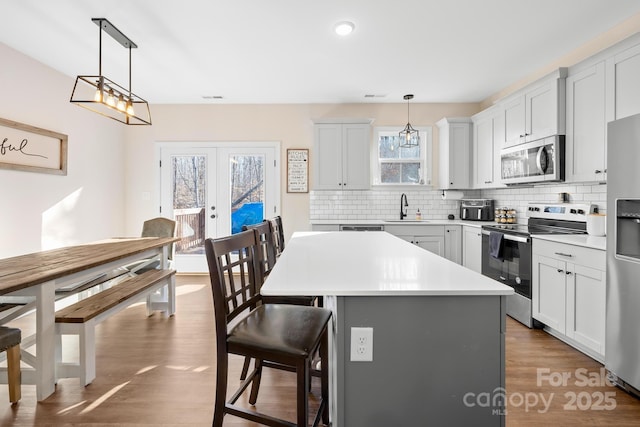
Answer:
(160, 372)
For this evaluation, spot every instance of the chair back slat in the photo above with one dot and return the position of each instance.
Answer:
(278, 234)
(266, 241)
(234, 273)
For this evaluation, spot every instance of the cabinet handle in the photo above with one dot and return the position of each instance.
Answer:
(598, 171)
(560, 271)
(488, 182)
(563, 254)
(568, 273)
(344, 183)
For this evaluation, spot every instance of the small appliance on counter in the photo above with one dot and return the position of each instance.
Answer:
(476, 209)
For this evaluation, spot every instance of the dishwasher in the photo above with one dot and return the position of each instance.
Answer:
(362, 227)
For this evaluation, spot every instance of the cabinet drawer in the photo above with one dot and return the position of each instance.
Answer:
(593, 258)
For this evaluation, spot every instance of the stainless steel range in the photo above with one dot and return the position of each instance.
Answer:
(506, 249)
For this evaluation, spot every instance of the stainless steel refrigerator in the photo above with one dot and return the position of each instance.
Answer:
(622, 350)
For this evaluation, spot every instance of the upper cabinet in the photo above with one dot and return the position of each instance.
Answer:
(600, 89)
(341, 156)
(536, 112)
(488, 135)
(455, 153)
(586, 140)
(623, 75)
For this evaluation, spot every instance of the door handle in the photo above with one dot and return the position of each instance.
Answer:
(213, 216)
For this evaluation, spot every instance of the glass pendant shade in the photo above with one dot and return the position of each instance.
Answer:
(409, 137)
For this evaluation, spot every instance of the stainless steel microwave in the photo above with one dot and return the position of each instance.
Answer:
(535, 161)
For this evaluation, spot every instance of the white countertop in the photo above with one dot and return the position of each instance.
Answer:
(358, 264)
(404, 222)
(593, 242)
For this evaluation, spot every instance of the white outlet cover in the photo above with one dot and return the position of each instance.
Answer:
(361, 344)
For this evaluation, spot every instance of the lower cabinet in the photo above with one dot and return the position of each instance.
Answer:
(453, 243)
(569, 294)
(325, 227)
(472, 248)
(429, 237)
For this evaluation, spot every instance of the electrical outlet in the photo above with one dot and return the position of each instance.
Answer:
(362, 344)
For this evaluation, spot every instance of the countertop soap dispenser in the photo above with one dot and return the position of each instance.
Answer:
(418, 215)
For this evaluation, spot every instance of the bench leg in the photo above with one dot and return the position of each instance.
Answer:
(87, 356)
(13, 373)
(164, 299)
(171, 296)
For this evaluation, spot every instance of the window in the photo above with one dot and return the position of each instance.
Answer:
(396, 165)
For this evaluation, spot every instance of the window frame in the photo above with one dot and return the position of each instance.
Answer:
(426, 157)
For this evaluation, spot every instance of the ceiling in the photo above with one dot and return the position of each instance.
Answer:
(285, 51)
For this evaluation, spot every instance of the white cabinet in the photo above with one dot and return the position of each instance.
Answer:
(455, 153)
(536, 112)
(488, 136)
(325, 227)
(586, 140)
(453, 243)
(623, 75)
(472, 248)
(569, 294)
(341, 154)
(429, 237)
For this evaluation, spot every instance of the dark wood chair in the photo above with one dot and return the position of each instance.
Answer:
(10, 339)
(278, 234)
(282, 336)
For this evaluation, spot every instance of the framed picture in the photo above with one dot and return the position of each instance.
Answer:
(28, 148)
(297, 170)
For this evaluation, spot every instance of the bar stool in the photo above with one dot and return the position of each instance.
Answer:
(10, 339)
(280, 336)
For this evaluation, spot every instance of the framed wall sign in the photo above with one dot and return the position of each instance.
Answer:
(28, 148)
(297, 170)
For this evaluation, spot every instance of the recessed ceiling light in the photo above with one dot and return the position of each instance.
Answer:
(344, 28)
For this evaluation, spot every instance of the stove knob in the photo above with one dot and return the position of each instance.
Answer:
(537, 209)
(572, 211)
(580, 211)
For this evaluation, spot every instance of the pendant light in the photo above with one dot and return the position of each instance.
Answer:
(104, 96)
(409, 137)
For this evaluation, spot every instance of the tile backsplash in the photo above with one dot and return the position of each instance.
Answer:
(385, 204)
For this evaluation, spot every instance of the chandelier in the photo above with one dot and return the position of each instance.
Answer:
(104, 96)
(409, 137)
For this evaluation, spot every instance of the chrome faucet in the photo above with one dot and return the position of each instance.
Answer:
(403, 206)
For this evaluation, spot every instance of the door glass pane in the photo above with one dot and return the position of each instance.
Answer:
(189, 200)
(246, 177)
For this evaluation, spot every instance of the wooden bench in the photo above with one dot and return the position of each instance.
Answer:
(82, 317)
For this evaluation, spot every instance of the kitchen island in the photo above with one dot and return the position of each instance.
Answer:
(438, 329)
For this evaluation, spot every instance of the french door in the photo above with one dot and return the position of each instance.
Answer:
(213, 189)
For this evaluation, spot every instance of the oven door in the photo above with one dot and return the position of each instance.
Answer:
(515, 268)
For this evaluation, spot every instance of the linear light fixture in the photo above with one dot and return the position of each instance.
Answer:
(409, 137)
(104, 96)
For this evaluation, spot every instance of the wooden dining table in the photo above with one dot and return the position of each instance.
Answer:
(35, 277)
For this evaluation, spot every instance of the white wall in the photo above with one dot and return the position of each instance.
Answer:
(290, 124)
(42, 211)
